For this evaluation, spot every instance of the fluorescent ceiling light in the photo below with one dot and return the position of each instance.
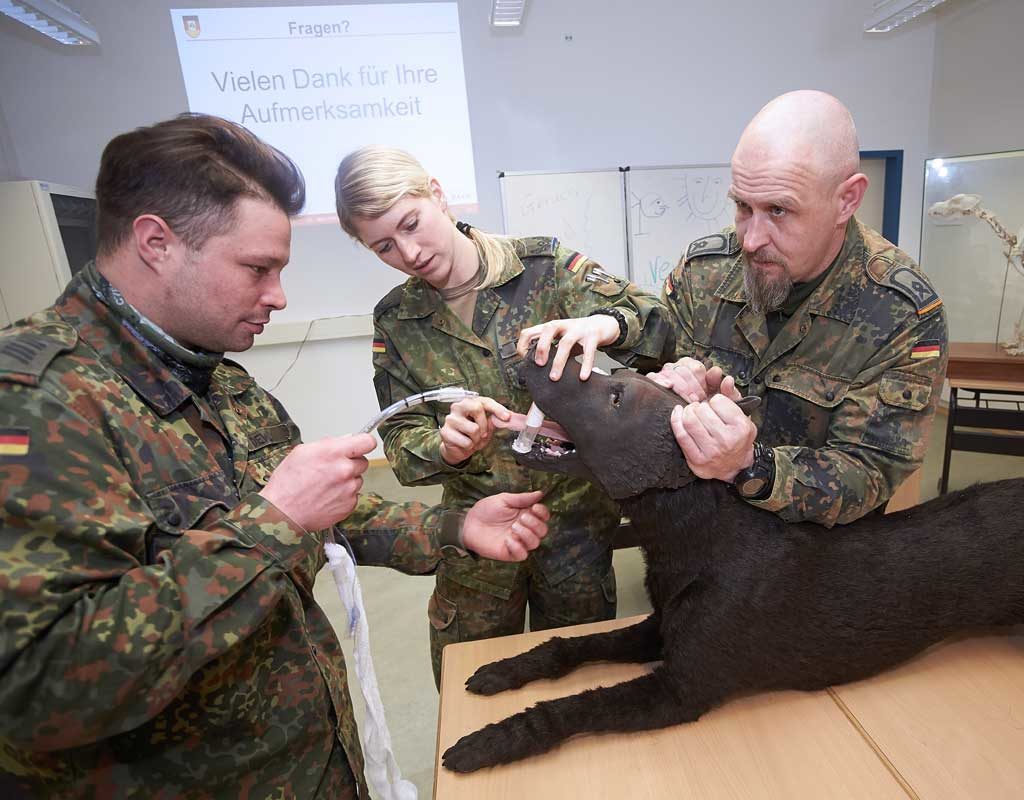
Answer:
(507, 13)
(51, 19)
(889, 14)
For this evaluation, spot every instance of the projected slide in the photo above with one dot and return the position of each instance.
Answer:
(318, 81)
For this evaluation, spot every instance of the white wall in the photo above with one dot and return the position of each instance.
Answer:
(977, 108)
(9, 169)
(654, 82)
(977, 101)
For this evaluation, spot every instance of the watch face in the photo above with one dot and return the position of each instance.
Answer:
(751, 486)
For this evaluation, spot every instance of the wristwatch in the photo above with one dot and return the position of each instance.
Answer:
(620, 318)
(449, 535)
(756, 481)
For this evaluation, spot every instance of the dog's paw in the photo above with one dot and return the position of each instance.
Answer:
(473, 751)
(493, 678)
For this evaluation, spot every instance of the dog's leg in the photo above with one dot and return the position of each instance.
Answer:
(559, 656)
(641, 704)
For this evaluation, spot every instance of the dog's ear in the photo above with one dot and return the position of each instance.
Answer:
(749, 404)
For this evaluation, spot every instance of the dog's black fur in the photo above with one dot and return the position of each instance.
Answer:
(742, 601)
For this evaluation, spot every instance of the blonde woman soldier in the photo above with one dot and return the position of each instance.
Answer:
(455, 322)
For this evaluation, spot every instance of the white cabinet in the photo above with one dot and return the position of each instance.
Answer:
(48, 232)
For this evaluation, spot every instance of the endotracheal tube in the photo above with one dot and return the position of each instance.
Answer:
(449, 394)
(534, 419)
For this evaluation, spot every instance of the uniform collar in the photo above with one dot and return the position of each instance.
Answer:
(845, 274)
(103, 331)
(826, 298)
(420, 299)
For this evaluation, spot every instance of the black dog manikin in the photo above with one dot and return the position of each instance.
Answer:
(742, 601)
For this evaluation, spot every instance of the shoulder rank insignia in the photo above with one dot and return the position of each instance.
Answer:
(29, 354)
(14, 441)
(529, 246)
(913, 285)
(392, 299)
(718, 244)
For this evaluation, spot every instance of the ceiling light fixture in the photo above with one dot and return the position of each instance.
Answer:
(889, 14)
(507, 13)
(52, 19)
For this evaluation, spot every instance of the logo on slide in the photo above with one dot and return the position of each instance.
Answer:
(191, 26)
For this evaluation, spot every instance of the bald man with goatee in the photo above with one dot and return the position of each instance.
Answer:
(836, 329)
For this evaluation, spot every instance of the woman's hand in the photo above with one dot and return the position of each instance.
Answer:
(468, 427)
(585, 334)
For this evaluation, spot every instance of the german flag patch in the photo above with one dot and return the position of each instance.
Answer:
(13, 441)
(378, 345)
(930, 348)
(576, 263)
(669, 288)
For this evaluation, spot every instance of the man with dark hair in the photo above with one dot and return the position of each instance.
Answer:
(161, 524)
(194, 166)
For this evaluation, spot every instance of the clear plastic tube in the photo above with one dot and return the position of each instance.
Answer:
(448, 394)
(534, 419)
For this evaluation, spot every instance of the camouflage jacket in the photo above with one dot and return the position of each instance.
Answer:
(420, 344)
(850, 384)
(159, 635)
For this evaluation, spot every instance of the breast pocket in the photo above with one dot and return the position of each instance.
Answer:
(439, 410)
(267, 449)
(892, 426)
(738, 365)
(184, 506)
(800, 405)
(611, 287)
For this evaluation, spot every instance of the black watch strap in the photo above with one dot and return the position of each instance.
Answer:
(450, 534)
(757, 481)
(619, 317)
(449, 537)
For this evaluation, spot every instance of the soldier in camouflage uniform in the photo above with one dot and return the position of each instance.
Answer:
(159, 537)
(455, 322)
(834, 328)
(849, 381)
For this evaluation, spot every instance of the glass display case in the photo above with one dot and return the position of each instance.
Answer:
(971, 235)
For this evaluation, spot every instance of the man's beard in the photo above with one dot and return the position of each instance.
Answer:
(765, 292)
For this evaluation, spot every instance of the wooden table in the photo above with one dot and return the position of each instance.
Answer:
(949, 724)
(982, 370)
(984, 362)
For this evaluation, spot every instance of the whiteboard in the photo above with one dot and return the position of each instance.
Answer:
(669, 207)
(585, 210)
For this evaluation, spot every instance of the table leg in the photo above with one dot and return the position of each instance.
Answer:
(944, 481)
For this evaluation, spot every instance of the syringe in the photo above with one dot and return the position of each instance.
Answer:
(534, 419)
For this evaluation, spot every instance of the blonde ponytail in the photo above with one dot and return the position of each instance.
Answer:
(495, 252)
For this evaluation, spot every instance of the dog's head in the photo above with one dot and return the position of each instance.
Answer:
(619, 426)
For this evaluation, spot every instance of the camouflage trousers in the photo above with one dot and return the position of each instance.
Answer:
(459, 613)
(338, 783)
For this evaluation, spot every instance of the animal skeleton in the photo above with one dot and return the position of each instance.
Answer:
(970, 205)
